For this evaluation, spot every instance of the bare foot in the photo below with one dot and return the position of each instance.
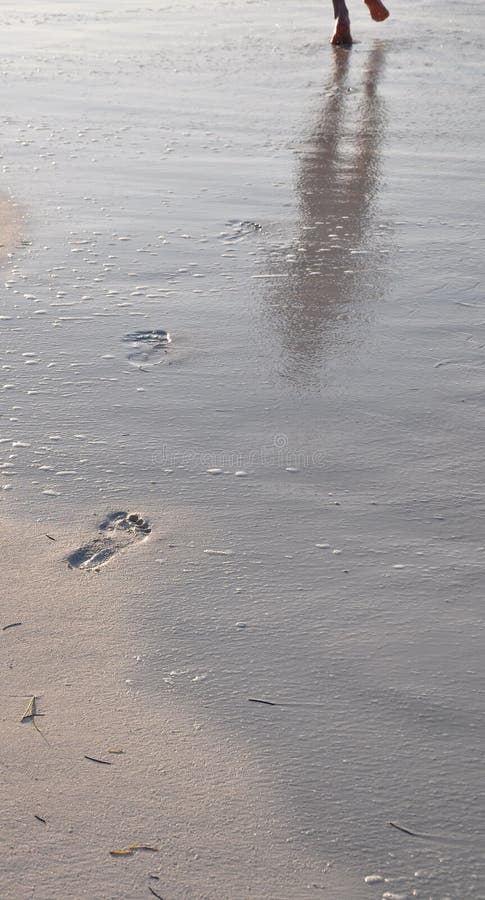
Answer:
(342, 33)
(377, 10)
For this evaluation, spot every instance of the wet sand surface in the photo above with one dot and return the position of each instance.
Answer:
(306, 225)
(101, 769)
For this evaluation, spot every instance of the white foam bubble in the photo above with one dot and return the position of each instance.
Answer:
(218, 552)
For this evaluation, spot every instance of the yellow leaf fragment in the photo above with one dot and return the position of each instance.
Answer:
(114, 750)
(144, 847)
(129, 851)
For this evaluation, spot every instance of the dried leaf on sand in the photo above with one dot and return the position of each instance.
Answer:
(29, 714)
(129, 851)
(30, 710)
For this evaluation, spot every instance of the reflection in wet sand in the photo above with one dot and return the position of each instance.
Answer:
(336, 264)
(10, 228)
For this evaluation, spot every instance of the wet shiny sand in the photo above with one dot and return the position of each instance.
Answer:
(307, 225)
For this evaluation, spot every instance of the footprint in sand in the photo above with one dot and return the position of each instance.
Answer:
(117, 531)
(239, 230)
(147, 344)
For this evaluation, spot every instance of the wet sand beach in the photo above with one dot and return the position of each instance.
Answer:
(242, 304)
(100, 770)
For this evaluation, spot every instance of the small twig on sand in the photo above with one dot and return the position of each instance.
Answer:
(103, 762)
(404, 830)
(40, 819)
(50, 537)
(13, 625)
(266, 702)
(154, 892)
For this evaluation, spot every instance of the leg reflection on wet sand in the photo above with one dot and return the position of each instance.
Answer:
(324, 283)
(10, 228)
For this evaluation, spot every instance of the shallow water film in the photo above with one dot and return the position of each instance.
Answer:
(242, 303)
